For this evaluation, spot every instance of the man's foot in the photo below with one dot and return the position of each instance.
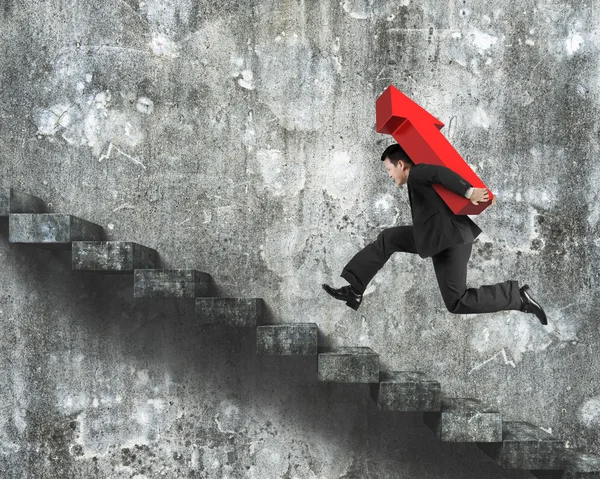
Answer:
(345, 293)
(529, 305)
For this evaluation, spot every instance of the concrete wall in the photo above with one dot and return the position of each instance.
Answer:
(238, 138)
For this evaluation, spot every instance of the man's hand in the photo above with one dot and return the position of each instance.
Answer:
(480, 195)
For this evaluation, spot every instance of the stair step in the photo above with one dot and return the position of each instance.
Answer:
(287, 339)
(465, 420)
(13, 200)
(526, 446)
(112, 256)
(406, 391)
(51, 230)
(229, 312)
(348, 364)
(578, 465)
(170, 283)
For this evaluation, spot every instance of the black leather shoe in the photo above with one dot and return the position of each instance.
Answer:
(345, 293)
(530, 305)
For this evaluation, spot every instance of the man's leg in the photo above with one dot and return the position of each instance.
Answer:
(451, 272)
(365, 264)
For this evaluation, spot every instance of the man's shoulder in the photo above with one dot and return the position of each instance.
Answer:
(417, 170)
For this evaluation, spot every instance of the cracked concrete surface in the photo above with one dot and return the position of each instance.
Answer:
(238, 138)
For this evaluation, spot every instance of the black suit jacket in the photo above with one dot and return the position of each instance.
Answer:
(435, 226)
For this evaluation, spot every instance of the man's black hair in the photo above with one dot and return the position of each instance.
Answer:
(394, 153)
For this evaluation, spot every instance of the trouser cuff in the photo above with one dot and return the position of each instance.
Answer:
(353, 280)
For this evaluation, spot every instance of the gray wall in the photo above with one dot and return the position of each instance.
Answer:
(238, 138)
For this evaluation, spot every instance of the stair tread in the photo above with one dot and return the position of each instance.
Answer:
(522, 431)
(51, 229)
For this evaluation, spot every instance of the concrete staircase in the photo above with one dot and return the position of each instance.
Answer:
(512, 444)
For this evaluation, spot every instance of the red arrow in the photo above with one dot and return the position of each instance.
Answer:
(417, 132)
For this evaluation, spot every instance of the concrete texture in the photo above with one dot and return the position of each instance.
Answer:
(526, 446)
(348, 364)
(52, 230)
(170, 283)
(287, 339)
(237, 139)
(406, 391)
(465, 420)
(230, 312)
(118, 257)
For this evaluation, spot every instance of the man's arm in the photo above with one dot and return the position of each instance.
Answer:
(427, 174)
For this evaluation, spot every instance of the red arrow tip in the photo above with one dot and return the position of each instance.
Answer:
(393, 108)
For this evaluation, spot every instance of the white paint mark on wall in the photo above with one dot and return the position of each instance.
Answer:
(589, 412)
(49, 120)
(504, 356)
(162, 46)
(246, 80)
(573, 43)
(90, 120)
(383, 203)
(144, 105)
(106, 155)
(481, 40)
(481, 118)
(229, 419)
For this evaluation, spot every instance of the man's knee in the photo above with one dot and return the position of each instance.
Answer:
(452, 303)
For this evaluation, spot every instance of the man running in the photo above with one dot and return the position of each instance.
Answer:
(437, 233)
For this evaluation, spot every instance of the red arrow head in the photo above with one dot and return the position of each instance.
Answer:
(393, 107)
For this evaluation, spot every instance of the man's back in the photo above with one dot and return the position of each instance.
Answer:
(436, 227)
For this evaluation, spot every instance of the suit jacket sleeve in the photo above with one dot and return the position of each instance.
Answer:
(426, 174)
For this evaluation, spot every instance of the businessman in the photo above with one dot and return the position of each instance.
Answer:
(437, 233)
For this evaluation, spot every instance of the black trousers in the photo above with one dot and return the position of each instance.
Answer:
(450, 269)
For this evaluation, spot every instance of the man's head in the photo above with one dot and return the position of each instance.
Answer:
(397, 163)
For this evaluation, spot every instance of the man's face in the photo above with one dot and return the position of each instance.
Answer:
(398, 173)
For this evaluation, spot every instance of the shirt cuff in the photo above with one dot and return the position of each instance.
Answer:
(469, 192)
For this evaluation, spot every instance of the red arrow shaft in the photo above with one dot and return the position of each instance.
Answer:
(424, 143)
